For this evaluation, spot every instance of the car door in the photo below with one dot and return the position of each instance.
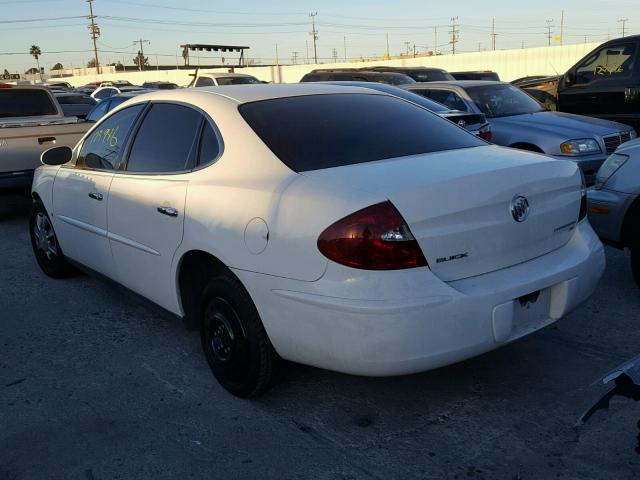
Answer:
(81, 192)
(605, 84)
(147, 199)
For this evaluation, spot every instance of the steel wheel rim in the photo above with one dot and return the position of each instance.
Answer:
(225, 340)
(44, 236)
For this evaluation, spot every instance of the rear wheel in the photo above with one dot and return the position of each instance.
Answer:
(234, 341)
(45, 244)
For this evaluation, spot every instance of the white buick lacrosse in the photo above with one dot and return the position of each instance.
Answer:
(333, 226)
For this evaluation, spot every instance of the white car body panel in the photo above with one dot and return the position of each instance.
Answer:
(262, 221)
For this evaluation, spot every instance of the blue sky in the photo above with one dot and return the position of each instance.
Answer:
(363, 26)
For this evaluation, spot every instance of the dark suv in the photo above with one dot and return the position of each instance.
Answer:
(354, 75)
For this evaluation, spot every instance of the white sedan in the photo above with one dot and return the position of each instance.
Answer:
(332, 226)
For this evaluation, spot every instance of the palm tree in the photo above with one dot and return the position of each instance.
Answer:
(36, 52)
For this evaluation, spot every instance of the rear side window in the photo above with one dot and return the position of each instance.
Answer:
(324, 131)
(166, 140)
(430, 75)
(98, 111)
(16, 102)
(103, 148)
(209, 147)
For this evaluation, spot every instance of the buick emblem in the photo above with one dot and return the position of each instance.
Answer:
(462, 123)
(519, 208)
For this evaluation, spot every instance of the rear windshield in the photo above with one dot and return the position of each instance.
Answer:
(323, 131)
(236, 80)
(25, 103)
(76, 99)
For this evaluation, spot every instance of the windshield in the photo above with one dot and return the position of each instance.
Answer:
(502, 100)
(236, 80)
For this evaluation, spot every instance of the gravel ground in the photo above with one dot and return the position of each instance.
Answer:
(96, 384)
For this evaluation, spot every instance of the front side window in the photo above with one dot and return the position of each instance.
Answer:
(313, 132)
(103, 148)
(166, 140)
(614, 61)
(204, 82)
(503, 100)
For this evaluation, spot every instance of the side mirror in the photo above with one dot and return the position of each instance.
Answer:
(569, 77)
(56, 155)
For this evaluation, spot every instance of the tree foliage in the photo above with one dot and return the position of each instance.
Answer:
(141, 61)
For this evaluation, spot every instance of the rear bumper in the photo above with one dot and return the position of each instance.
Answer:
(16, 180)
(393, 323)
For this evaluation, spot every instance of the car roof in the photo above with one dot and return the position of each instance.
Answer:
(254, 92)
(223, 74)
(457, 83)
(61, 93)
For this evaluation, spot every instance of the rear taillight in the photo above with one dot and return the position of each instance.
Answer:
(374, 238)
(486, 134)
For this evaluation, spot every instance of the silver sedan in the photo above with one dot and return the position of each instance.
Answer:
(614, 202)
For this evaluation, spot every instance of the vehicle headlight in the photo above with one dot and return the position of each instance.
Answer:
(609, 167)
(582, 146)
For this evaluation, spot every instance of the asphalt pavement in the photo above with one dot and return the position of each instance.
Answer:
(95, 384)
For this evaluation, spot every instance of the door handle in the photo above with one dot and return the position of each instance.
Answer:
(42, 140)
(96, 196)
(169, 211)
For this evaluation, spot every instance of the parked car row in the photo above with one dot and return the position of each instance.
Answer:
(334, 224)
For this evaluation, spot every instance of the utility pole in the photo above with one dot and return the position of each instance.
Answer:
(334, 54)
(294, 58)
(387, 53)
(141, 58)
(549, 26)
(624, 24)
(493, 34)
(479, 46)
(408, 44)
(414, 50)
(435, 40)
(345, 48)
(454, 34)
(95, 33)
(562, 27)
(314, 33)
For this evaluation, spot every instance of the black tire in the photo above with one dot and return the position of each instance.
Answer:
(234, 340)
(635, 259)
(45, 244)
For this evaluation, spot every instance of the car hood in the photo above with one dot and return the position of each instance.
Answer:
(559, 124)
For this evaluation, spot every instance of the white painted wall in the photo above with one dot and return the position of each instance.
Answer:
(509, 64)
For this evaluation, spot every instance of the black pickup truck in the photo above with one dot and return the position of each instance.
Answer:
(604, 84)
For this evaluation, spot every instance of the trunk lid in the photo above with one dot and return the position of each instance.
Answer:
(458, 204)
